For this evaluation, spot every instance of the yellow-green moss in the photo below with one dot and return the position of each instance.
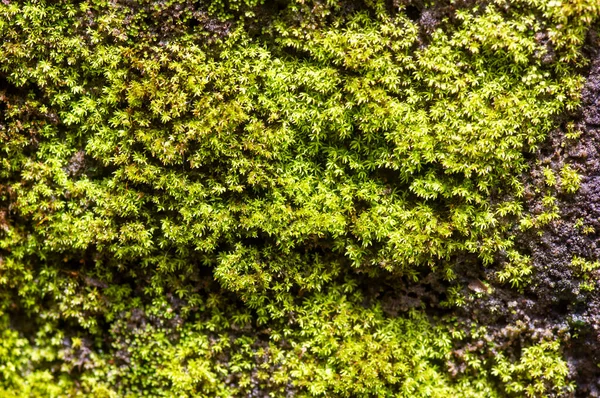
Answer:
(251, 163)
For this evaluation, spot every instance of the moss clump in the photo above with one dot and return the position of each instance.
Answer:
(241, 164)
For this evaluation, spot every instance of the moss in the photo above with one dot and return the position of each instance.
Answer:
(192, 196)
(539, 370)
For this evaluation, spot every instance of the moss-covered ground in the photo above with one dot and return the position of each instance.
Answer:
(299, 198)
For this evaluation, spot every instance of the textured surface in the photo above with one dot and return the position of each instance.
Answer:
(298, 198)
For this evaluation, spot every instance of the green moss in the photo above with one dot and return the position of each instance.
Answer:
(539, 371)
(253, 166)
(569, 179)
(584, 269)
